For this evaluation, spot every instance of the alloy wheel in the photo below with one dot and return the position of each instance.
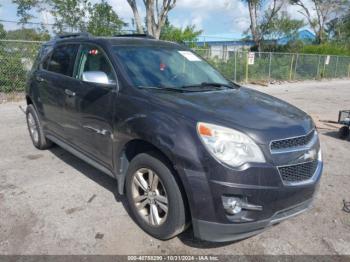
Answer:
(150, 197)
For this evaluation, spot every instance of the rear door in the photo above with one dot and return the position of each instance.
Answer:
(95, 104)
(56, 80)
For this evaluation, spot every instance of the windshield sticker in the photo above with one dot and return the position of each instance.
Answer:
(190, 56)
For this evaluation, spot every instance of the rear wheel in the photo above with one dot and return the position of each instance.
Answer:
(35, 129)
(154, 197)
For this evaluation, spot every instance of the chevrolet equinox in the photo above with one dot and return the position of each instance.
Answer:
(186, 145)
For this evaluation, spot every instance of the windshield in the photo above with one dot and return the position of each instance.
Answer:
(160, 67)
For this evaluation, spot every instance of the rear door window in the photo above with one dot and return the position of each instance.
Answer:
(63, 59)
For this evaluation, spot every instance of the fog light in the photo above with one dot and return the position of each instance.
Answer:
(232, 205)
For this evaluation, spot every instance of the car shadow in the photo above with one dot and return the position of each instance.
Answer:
(334, 134)
(111, 184)
(92, 173)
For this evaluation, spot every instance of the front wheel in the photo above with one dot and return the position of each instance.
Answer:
(154, 197)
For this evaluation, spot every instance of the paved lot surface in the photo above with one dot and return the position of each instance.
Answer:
(53, 203)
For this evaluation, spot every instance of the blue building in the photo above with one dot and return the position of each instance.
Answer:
(218, 48)
(305, 36)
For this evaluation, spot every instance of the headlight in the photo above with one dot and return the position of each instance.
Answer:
(228, 145)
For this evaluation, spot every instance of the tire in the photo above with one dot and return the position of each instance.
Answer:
(174, 221)
(35, 129)
(343, 132)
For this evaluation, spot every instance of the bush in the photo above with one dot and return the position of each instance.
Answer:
(329, 48)
(326, 49)
(13, 76)
(15, 61)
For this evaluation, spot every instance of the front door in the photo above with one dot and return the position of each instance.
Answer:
(94, 103)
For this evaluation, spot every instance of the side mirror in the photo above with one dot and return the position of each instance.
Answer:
(97, 77)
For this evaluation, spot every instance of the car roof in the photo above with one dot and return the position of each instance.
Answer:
(128, 40)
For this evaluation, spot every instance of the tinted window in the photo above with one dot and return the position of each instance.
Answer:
(62, 59)
(93, 59)
(45, 63)
(42, 57)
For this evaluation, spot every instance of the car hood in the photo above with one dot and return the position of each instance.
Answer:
(261, 116)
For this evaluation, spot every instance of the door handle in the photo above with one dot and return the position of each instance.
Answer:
(69, 92)
(39, 79)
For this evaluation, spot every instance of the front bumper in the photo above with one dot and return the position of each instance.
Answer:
(260, 185)
(218, 232)
(209, 185)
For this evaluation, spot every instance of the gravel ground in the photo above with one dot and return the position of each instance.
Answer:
(53, 203)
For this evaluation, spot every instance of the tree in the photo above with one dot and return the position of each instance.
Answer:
(180, 35)
(23, 9)
(137, 18)
(325, 11)
(104, 21)
(259, 23)
(282, 25)
(27, 34)
(70, 15)
(338, 29)
(156, 15)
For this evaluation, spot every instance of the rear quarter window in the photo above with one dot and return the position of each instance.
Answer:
(45, 54)
(42, 55)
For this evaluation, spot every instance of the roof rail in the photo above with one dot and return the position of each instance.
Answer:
(135, 35)
(68, 35)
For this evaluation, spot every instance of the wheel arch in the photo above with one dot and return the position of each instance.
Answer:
(29, 100)
(131, 149)
(137, 146)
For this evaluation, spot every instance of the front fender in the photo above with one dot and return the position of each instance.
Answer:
(176, 137)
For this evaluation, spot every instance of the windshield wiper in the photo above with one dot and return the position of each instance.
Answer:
(210, 84)
(174, 89)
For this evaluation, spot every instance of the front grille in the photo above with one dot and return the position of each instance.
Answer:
(292, 142)
(298, 173)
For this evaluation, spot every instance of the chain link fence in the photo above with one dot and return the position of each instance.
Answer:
(17, 57)
(16, 60)
(271, 67)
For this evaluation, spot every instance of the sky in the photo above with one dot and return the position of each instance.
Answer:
(219, 19)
